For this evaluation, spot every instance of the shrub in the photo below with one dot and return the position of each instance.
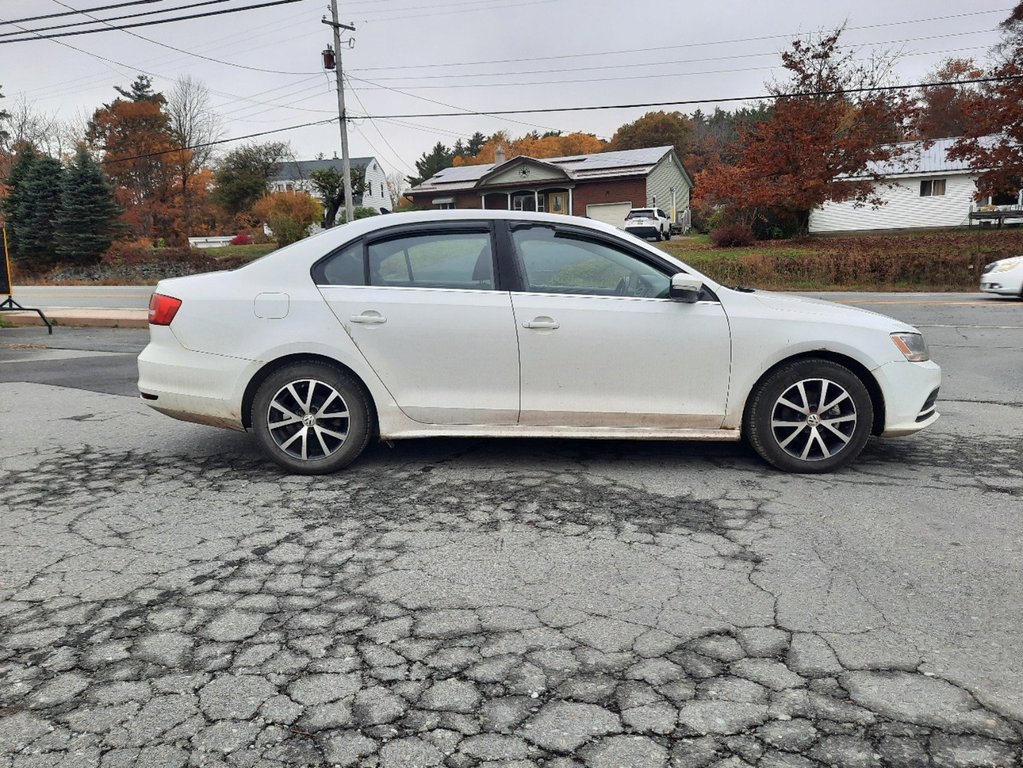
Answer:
(732, 236)
(288, 214)
(242, 238)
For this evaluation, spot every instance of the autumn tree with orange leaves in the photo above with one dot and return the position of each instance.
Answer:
(534, 145)
(992, 141)
(822, 142)
(140, 157)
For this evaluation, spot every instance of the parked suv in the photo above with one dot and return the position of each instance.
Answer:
(648, 222)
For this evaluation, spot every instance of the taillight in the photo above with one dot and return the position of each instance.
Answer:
(162, 309)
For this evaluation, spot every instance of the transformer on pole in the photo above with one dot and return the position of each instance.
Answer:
(335, 57)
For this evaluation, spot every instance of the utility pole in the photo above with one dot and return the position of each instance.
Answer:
(346, 163)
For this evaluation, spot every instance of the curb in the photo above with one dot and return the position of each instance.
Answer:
(82, 318)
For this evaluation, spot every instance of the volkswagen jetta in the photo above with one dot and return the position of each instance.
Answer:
(504, 323)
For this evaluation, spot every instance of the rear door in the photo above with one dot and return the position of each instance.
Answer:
(422, 305)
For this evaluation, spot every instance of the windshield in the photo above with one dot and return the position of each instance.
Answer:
(640, 213)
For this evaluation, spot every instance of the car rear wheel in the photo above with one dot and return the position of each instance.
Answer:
(809, 416)
(311, 418)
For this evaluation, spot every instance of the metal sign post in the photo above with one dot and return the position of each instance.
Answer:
(9, 304)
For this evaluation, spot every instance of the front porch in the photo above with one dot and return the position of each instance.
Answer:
(542, 200)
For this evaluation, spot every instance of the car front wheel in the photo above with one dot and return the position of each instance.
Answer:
(809, 416)
(311, 418)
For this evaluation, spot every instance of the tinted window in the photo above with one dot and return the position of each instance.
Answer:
(641, 213)
(434, 260)
(342, 268)
(561, 262)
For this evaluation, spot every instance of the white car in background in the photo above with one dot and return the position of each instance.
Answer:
(512, 324)
(1004, 277)
(648, 222)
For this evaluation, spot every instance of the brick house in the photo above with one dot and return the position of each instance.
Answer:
(601, 186)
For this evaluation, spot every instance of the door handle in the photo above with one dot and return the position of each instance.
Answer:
(542, 323)
(369, 317)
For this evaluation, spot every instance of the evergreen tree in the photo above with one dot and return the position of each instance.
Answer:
(475, 144)
(141, 90)
(37, 210)
(12, 206)
(87, 217)
(243, 175)
(437, 159)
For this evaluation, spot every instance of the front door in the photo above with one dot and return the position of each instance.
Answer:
(558, 202)
(601, 345)
(431, 323)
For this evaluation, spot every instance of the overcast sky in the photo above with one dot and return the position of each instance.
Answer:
(412, 57)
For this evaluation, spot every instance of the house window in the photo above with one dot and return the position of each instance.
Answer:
(369, 188)
(445, 206)
(932, 187)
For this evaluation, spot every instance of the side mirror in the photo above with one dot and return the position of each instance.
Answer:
(685, 288)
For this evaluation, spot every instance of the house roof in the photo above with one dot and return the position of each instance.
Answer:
(300, 169)
(628, 162)
(924, 159)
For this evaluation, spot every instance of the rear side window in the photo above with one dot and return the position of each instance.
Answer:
(342, 268)
(462, 260)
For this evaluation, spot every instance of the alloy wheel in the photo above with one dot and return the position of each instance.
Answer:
(308, 419)
(814, 419)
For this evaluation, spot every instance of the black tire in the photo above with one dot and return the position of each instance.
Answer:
(784, 422)
(305, 397)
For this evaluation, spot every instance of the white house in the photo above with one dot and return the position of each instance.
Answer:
(929, 190)
(294, 176)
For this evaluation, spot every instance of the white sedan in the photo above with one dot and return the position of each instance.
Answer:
(1004, 277)
(504, 323)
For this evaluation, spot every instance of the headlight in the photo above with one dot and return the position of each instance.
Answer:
(912, 346)
(1004, 265)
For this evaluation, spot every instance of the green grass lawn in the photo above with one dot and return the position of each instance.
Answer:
(920, 260)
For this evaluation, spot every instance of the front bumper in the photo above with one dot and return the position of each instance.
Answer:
(909, 391)
(1002, 286)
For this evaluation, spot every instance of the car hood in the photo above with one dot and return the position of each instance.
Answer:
(789, 305)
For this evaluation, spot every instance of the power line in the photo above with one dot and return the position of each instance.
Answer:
(84, 10)
(687, 102)
(647, 65)
(137, 24)
(377, 129)
(198, 55)
(221, 141)
(93, 19)
(676, 47)
(759, 97)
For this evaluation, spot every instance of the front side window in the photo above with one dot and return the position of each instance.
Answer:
(932, 187)
(462, 260)
(556, 261)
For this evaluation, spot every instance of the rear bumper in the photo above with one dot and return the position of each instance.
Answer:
(645, 231)
(909, 393)
(191, 386)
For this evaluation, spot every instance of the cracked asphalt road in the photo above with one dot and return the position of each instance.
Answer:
(167, 598)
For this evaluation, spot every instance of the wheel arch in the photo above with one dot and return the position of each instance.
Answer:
(861, 371)
(302, 357)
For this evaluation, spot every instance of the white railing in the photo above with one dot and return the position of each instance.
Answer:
(211, 242)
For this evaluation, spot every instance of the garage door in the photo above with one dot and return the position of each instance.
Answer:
(609, 213)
